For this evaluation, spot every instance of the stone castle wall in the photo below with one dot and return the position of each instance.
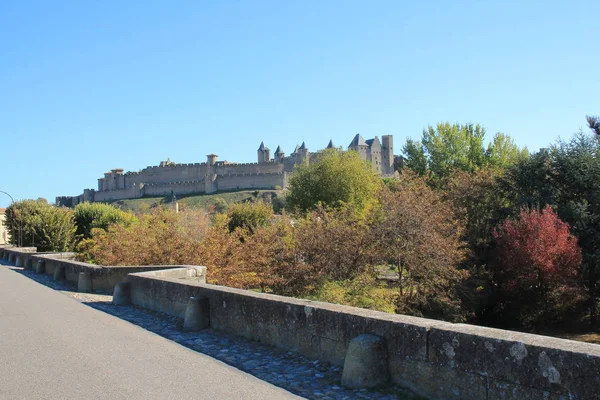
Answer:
(177, 188)
(110, 195)
(251, 181)
(170, 173)
(209, 177)
(249, 169)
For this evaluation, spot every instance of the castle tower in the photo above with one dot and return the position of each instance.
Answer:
(210, 179)
(264, 154)
(387, 154)
(279, 155)
(374, 153)
(330, 145)
(302, 154)
(359, 145)
(211, 159)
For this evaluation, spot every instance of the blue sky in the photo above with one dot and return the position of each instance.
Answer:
(86, 86)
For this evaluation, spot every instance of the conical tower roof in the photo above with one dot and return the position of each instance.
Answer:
(279, 151)
(330, 145)
(262, 147)
(357, 141)
(303, 146)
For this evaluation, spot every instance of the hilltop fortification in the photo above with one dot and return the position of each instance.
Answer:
(214, 175)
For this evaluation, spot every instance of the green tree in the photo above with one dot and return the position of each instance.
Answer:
(447, 147)
(565, 177)
(529, 183)
(416, 159)
(502, 152)
(335, 178)
(40, 225)
(477, 200)
(98, 215)
(576, 173)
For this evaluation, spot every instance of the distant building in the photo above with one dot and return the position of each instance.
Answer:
(169, 178)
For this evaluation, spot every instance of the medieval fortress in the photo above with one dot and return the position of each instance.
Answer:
(213, 175)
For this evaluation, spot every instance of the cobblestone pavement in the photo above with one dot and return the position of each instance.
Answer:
(288, 370)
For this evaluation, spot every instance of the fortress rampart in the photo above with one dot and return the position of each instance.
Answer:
(213, 175)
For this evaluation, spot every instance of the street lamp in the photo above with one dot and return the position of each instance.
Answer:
(20, 241)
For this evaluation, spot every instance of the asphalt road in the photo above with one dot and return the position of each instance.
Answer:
(53, 347)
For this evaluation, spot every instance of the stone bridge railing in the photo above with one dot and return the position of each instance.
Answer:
(436, 359)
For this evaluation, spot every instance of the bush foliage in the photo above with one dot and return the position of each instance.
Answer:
(35, 223)
(90, 216)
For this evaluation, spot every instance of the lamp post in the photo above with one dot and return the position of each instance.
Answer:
(20, 239)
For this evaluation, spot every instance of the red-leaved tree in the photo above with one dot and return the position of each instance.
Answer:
(536, 270)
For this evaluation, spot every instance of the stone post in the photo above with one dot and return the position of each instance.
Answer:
(28, 263)
(197, 315)
(366, 363)
(84, 282)
(60, 273)
(122, 294)
(40, 268)
(19, 262)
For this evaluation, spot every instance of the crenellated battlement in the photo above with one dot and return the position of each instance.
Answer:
(214, 175)
(174, 183)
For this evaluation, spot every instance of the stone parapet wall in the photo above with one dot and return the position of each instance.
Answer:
(437, 359)
(103, 278)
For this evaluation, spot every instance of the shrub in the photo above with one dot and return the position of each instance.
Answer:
(100, 216)
(36, 223)
(248, 216)
(161, 237)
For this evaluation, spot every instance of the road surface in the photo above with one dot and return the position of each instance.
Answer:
(53, 347)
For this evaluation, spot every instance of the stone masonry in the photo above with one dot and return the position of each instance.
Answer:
(214, 175)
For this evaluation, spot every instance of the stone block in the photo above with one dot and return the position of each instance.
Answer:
(84, 283)
(543, 363)
(28, 263)
(197, 314)
(366, 363)
(59, 273)
(498, 390)
(122, 294)
(435, 382)
(40, 267)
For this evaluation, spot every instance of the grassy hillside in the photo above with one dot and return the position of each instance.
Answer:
(194, 201)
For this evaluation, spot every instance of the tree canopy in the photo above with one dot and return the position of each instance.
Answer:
(536, 269)
(446, 147)
(333, 179)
